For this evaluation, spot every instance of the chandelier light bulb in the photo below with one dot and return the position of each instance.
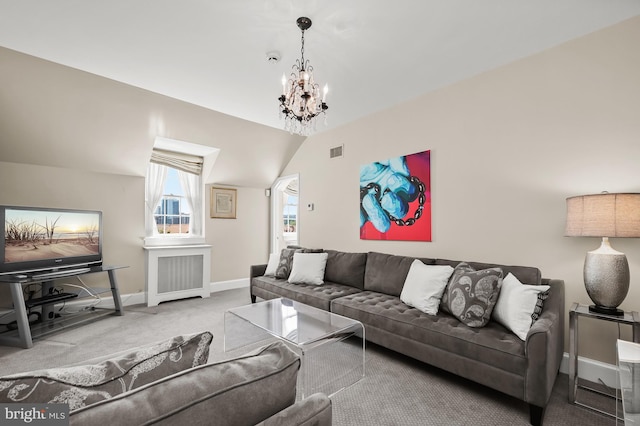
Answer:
(324, 92)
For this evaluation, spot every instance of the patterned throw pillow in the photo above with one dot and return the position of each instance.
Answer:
(84, 385)
(459, 269)
(539, 305)
(472, 295)
(286, 260)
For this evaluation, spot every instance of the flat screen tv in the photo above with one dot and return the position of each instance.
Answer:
(48, 239)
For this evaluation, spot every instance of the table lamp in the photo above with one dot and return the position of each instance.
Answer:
(606, 271)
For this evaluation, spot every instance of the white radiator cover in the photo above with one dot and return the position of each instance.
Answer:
(177, 272)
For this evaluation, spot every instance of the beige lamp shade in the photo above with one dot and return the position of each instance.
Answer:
(603, 215)
(606, 271)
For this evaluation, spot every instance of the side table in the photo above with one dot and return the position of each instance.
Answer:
(629, 380)
(577, 310)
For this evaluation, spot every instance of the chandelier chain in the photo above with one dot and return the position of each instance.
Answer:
(302, 49)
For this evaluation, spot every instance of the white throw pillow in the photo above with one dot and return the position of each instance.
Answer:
(424, 286)
(516, 305)
(308, 268)
(272, 265)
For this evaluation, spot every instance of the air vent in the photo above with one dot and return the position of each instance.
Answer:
(336, 152)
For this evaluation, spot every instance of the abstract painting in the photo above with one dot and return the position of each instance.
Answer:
(395, 198)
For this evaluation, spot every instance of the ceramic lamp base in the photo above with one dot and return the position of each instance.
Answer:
(606, 278)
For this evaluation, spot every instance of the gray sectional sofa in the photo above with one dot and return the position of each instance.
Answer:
(172, 383)
(367, 287)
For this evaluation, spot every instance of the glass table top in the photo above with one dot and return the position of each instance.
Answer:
(295, 322)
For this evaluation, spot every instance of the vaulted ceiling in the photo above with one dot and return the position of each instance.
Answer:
(213, 54)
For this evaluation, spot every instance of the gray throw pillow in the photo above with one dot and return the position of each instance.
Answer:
(286, 260)
(471, 295)
(460, 268)
(80, 386)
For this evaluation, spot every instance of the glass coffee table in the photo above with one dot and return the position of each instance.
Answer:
(331, 347)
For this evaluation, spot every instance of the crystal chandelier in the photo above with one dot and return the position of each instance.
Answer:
(300, 102)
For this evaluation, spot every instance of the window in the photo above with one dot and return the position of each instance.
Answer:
(289, 213)
(174, 192)
(285, 220)
(173, 215)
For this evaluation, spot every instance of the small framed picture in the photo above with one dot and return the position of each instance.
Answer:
(223, 203)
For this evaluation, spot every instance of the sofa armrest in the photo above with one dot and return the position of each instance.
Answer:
(544, 346)
(315, 410)
(257, 270)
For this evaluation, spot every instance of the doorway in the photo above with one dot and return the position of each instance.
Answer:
(285, 224)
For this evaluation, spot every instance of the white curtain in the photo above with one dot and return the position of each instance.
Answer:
(156, 175)
(192, 187)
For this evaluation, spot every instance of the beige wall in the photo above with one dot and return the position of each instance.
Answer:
(52, 115)
(238, 243)
(81, 123)
(120, 198)
(507, 148)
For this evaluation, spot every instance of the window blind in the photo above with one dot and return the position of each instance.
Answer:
(177, 160)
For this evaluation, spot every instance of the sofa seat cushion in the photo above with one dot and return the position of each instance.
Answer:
(319, 296)
(240, 391)
(493, 344)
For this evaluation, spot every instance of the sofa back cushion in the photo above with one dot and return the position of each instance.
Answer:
(526, 274)
(386, 273)
(345, 268)
(240, 391)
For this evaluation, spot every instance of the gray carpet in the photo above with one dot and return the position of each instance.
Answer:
(395, 391)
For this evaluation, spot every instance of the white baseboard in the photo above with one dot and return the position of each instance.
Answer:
(106, 302)
(592, 370)
(140, 297)
(229, 285)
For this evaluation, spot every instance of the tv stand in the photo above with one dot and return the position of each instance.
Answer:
(62, 273)
(16, 281)
(49, 298)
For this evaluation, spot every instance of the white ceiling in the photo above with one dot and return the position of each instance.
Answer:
(373, 54)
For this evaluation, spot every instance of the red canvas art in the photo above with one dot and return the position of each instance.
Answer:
(395, 198)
